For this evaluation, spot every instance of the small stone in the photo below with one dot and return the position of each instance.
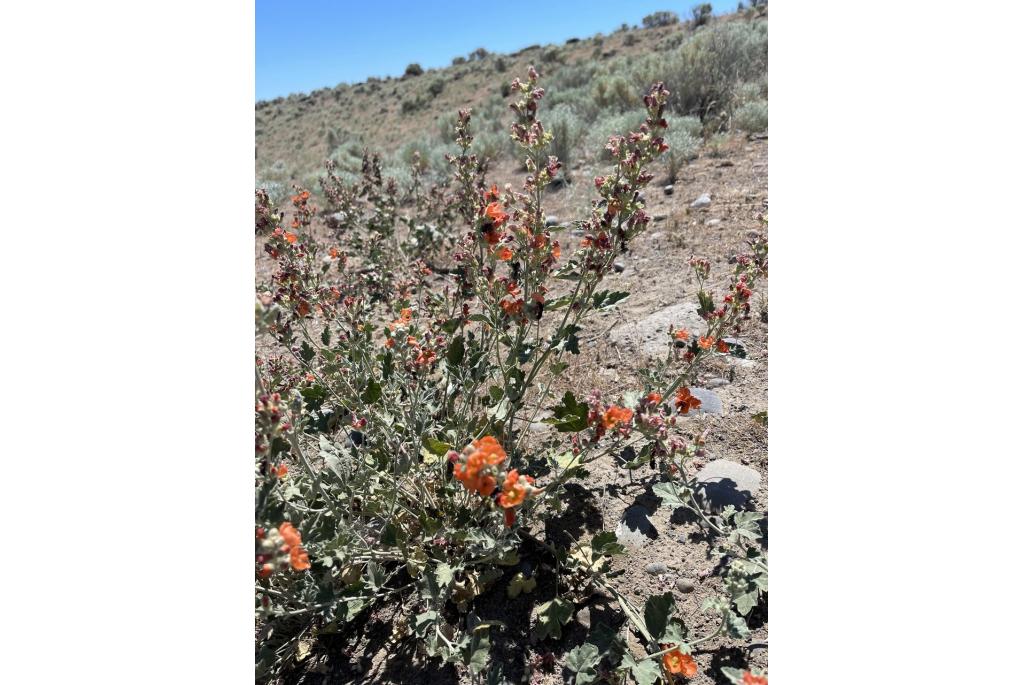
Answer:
(656, 568)
(660, 217)
(716, 383)
(701, 202)
(619, 267)
(726, 482)
(669, 189)
(709, 402)
(685, 585)
(551, 220)
(635, 529)
(657, 236)
(736, 347)
(714, 222)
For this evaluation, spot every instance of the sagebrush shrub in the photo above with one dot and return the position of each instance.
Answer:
(393, 463)
(656, 19)
(413, 69)
(752, 117)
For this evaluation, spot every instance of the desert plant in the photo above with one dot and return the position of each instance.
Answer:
(701, 14)
(752, 117)
(567, 134)
(413, 69)
(657, 19)
(392, 463)
(436, 87)
(682, 147)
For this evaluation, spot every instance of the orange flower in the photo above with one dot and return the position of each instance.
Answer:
(492, 451)
(390, 342)
(504, 254)
(705, 343)
(556, 251)
(494, 213)
(586, 242)
(681, 334)
(291, 238)
(513, 492)
(266, 571)
(302, 308)
(280, 471)
(512, 307)
(751, 679)
(425, 358)
(492, 237)
(510, 517)
(333, 252)
(722, 346)
(406, 315)
(491, 194)
(289, 534)
(654, 398)
(299, 558)
(615, 416)
(677, 662)
(685, 401)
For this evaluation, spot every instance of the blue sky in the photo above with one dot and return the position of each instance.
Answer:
(309, 44)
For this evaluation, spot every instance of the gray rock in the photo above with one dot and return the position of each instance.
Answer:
(716, 383)
(701, 202)
(669, 189)
(714, 222)
(726, 482)
(656, 568)
(551, 220)
(618, 266)
(685, 585)
(650, 334)
(635, 529)
(660, 217)
(736, 347)
(657, 236)
(709, 402)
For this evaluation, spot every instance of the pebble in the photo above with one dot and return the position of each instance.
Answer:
(669, 189)
(714, 222)
(660, 217)
(716, 383)
(619, 267)
(657, 236)
(583, 617)
(656, 568)
(635, 529)
(727, 482)
(685, 585)
(701, 202)
(551, 220)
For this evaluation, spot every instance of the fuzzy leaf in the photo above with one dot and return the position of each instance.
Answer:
(644, 672)
(670, 494)
(456, 352)
(372, 392)
(551, 616)
(583, 661)
(656, 613)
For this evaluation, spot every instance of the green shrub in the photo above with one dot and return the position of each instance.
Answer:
(606, 127)
(690, 125)
(682, 147)
(615, 93)
(413, 69)
(752, 117)
(657, 19)
(436, 87)
(567, 131)
(701, 14)
(458, 60)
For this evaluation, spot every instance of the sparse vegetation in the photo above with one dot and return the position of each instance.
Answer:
(658, 19)
(413, 70)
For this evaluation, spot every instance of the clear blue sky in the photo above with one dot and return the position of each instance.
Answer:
(302, 45)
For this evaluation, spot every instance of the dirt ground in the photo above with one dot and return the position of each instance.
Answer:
(657, 275)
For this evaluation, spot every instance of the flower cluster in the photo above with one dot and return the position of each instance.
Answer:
(279, 548)
(677, 663)
(478, 468)
(269, 421)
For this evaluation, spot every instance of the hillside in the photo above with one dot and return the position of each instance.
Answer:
(716, 72)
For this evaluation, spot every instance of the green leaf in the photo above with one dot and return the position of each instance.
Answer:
(456, 352)
(675, 633)
(444, 575)
(583, 661)
(325, 337)
(435, 446)
(670, 494)
(761, 417)
(606, 542)
(644, 672)
(372, 392)
(570, 415)
(656, 613)
(605, 299)
(735, 626)
(551, 616)
(306, 352)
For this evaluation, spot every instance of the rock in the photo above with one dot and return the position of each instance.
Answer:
(656, 568)
(669, 189)
(650, 334)
(618, 266)
(551, 220)
(726, 482)
(701, 202)
(685, 585)
(736, 347)
(657, 236)
(716, 383)
(709, 402)
(713, 222)
(660, 217)
(635, 529)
